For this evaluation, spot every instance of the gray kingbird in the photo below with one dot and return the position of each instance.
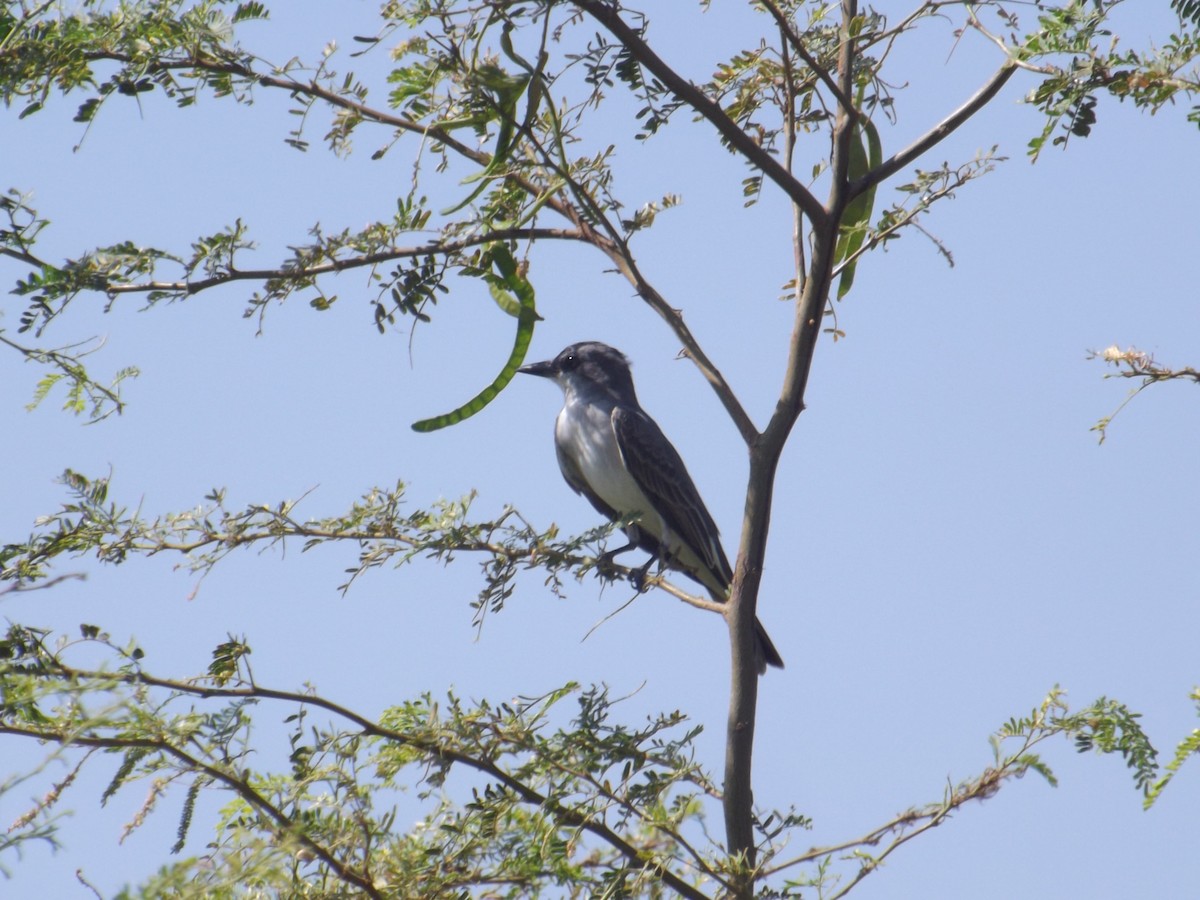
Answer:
(617, 457)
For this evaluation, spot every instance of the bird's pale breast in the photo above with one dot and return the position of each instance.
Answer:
(585, 431)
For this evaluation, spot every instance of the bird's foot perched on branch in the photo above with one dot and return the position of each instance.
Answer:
(637, 577)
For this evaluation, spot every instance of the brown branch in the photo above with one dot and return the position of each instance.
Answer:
(444, 248)
(915, 822)
(889, 35)
(691, 347)
(23, 255)
(938, 133)
(905, 826)
(69, 366)
(611, 245)
(232, 540)
(683, 596)
(1139, 365)
(305, 88)
(765, 454)
(1004, 48)
(908, 217)
(607, 15)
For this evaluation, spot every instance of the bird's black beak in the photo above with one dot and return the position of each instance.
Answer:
(544, 369)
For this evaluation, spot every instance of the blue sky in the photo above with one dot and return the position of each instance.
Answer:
(949, 541)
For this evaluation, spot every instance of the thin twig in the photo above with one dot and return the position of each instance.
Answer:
(790, 36)
(789, 152)
(1004, 48)
(20, 586)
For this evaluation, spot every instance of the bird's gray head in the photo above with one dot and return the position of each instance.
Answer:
(588, 367)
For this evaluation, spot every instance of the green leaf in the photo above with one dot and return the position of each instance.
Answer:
(1188, 9)
(44, 386)
(507, 276)
(246, 11)
(505, 300)
(866, 153)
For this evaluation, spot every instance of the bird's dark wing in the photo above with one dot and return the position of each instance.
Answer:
(659, 471)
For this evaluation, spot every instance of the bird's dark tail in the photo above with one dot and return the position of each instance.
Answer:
(767, 654)
(718, 588)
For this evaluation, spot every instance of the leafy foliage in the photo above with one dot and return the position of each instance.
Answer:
(537, 801)
(90, 524)
(504, 88)
(1188, 10)
(591, 805)
(513, 794)
(1069, 48)
(495, 103)
(1114, 729)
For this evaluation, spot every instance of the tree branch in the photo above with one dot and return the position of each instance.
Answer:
(914, 822)
(607, 15)
(691, 348)
(443, 248)
(938, 133)
(765, 454)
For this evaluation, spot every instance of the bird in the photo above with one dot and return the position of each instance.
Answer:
(612, 452)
